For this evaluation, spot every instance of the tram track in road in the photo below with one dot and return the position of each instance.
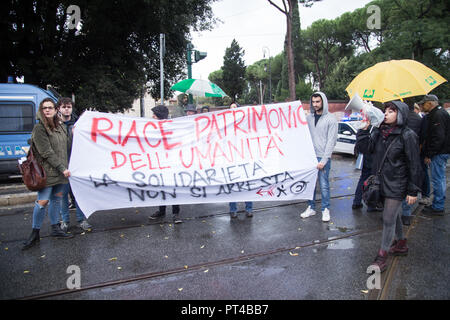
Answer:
(158, 222)
(386, 280)
(192, 268)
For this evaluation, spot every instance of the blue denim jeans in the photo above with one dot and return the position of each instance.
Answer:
(324, 187)
(438, 180)
(248, 206)
(65, 215)
(48, 193)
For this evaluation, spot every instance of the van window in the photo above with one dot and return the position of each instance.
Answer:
(16, 117)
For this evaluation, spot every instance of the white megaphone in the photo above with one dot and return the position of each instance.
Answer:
(367, 109)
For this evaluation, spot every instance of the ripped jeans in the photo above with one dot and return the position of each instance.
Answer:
(54, 206)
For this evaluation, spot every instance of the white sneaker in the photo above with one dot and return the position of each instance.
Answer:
(308, 213)
(326, 215)
(84, 225)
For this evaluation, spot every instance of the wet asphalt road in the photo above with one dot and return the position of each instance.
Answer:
(274, 255)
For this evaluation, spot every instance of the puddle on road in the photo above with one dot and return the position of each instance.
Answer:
(341, 229)
(341, 244)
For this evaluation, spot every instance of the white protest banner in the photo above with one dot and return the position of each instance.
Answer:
(254, 153)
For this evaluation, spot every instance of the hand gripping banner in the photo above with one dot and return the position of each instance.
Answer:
(254, 153)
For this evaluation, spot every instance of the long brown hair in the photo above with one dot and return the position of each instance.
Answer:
(52, 123)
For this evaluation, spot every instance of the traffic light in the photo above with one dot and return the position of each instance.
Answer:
(199, 55)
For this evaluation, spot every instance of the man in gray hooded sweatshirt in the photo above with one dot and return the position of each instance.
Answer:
(323, 127)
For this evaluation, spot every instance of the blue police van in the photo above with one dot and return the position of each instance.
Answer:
(18, 106)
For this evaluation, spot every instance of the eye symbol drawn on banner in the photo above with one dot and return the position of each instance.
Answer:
(298, 187)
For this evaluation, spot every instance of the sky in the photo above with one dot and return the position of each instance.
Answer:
(256, 24)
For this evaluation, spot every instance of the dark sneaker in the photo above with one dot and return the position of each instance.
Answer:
(157, 214)
(430, 211)
(357, 206)
(176, 219)
(249, 214)
(399, 248)
(233, 215)
(381, 260)
(58, 233)
(406, 220)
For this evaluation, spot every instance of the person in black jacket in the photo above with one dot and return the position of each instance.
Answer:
(414, 123)
(436, 150)
(399, 178)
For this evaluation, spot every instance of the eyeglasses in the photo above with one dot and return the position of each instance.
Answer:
(48, 108)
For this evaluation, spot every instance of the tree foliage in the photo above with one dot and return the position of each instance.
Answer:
(333, 52)
(110, 57)
(233, 70)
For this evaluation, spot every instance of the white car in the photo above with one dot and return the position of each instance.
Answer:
(346, 137)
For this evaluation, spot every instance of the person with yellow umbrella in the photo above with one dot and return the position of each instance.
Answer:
(395, 151)
(385, 82)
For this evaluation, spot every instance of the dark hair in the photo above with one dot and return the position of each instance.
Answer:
(205, 107)
(390, 105)
(317, 95)
(161, 112)
(54, 122)
(64, 101)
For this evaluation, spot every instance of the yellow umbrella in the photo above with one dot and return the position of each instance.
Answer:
(393, 80)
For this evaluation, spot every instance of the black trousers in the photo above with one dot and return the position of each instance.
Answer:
(175, 209)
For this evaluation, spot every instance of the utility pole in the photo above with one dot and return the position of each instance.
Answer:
(162, 52)
(189, 67)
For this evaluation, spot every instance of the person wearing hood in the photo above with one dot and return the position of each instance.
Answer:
(50, 143)
(191, 110)
(65, 109)
(400, 173)
(323, 127)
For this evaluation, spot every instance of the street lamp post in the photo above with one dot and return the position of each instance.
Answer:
(270, 72)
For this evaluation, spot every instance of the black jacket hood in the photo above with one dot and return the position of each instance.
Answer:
(402, 115)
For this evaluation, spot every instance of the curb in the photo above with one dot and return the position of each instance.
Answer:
(18, 198)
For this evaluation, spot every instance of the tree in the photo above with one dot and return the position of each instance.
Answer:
(288, 11)
(110, 57)
(324, 47)
(233, 70)
(258, 76)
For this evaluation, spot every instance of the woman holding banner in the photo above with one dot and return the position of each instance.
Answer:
(50, 143)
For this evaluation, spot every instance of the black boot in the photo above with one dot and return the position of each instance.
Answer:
(58, 233)
(32, 240)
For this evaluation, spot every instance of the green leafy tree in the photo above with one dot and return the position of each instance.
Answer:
(112, 54)
(233, 70)
(288, 10)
